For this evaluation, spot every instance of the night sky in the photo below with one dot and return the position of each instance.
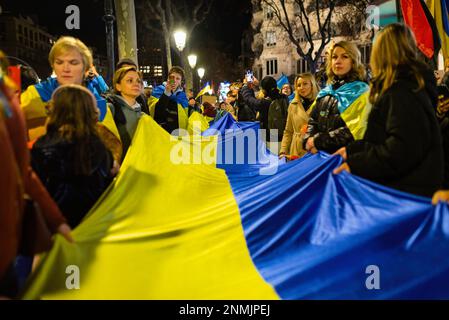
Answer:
(223, 28)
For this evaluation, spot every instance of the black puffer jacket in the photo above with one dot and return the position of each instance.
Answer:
(402, 145)
(53, 159)
(326, 126)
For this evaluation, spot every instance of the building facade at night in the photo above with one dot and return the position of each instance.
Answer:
(275, 54)
(26, 43)
(152, 57)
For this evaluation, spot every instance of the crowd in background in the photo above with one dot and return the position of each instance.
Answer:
(63, 140)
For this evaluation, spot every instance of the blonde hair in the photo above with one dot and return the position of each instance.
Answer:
(395, 46)
(311, 78)
(65, 44)
(120, 74)
(357, 71)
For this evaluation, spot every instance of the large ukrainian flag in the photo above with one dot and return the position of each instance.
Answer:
(256, 229)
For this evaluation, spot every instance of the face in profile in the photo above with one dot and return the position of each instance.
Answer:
(341, 62)
(69, 67)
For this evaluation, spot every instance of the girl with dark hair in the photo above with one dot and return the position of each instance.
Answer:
(71, 160)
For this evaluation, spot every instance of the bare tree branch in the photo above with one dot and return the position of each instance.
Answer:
(300, 24)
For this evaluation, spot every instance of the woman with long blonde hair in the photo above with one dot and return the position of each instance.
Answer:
(306, 90)
(335, 119)
(402, 145)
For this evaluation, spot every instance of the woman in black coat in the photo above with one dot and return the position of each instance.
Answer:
(402, 145)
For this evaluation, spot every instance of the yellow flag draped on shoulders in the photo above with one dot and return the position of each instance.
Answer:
(147, 239)
(353, 105)
(183, 118)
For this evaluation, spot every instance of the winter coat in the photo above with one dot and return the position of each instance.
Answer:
(126, 119)
(326, 124)
(18, 179)
(256, 105)
(402, 145)
(53, 159)
(292, 139)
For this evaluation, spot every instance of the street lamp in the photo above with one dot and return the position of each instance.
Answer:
(201, 72)
(180, 39)
(192, 60)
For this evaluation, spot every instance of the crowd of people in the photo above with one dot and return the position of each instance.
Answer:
(63, 140)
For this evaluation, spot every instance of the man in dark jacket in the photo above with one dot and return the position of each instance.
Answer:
(166, 109)
(270, 118)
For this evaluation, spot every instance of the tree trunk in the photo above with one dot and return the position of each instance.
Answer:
(312, 64)
(167, 43)
(187, 70)
(109, 22)
(126, 29)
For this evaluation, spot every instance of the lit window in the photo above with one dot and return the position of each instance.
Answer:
(271, 38)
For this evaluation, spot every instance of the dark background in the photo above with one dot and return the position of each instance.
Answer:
(222, 29)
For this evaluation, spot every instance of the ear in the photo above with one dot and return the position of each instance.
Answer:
(118, 87)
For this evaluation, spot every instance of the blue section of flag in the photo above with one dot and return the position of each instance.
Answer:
(281, 81)
(445, 15)
(315, 235)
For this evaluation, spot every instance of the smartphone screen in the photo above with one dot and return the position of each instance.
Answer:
(249, 76)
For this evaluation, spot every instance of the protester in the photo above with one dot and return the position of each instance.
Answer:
(169, 106)
(340, 104)
(71, 160)
(123, 104)
(193, 106)
(402, 145)
(144, 98)
(273, 108)
(305, 93)
(71, 60)
(18, 181)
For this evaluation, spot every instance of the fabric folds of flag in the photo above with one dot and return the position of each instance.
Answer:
(440, 12)
(205, 90)
(177, 224)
